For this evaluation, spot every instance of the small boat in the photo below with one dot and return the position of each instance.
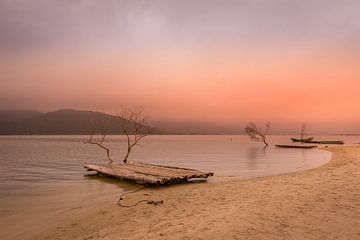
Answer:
(295, 146)
(326, 142)
(304, 140)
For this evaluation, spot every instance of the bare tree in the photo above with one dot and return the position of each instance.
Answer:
(133, 124)
(303, 129)
(100, 141)
(256, 134)
(133, 120)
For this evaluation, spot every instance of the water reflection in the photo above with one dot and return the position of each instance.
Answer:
(255, 154)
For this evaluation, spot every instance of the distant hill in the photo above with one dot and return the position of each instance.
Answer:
(11, 120)
(17, 115)
(69, 121)
(64, 121)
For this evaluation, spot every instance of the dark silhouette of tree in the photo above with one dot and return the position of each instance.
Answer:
(134, 120)
(100, 142)
(133, 125)
(256, 134)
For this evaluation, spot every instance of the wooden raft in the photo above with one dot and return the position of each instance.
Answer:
(148, 174)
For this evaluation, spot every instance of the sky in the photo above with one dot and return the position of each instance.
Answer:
(226, 62)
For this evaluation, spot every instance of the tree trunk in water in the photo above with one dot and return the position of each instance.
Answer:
(127, 155)
(264, 140)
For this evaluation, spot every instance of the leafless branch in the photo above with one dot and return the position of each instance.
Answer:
(100, 141)
(256, 134)
(133, 119)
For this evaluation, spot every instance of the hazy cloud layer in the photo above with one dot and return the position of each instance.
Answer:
(226, 61)
(51, 23)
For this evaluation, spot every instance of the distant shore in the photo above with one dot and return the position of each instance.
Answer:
(321, 203)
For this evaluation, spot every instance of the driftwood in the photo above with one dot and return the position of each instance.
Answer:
(148, 174)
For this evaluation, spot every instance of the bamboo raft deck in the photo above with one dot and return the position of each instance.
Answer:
(148, 174)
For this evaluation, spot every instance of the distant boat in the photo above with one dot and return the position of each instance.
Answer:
(295, 146)
(302, 134)
(303, 140)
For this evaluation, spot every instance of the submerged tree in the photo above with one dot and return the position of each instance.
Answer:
(256, 134)
(100, 142)
(133, 125)
(303, 129)
(134, 120)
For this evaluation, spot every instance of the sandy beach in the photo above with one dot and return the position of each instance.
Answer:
(322, 203)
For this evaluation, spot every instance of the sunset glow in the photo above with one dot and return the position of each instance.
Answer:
(226, 63)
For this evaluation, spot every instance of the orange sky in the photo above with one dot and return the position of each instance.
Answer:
(207, 63)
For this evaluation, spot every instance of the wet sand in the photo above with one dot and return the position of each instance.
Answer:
(322, 203)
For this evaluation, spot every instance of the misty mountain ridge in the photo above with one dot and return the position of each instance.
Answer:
(70, 121)
(17, 115)
(64, 121)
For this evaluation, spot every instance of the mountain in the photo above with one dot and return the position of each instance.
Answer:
(64, 121)
(11, 120)
(17, 115)
(69, 121)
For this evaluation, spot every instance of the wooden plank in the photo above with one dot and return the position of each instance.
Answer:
(123, 174)
(295, 146)
(327, 142)
(151, 174)
(162, 170)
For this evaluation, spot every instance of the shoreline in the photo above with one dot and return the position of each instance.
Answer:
(323, 202)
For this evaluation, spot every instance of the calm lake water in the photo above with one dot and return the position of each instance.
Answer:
(43, 183)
